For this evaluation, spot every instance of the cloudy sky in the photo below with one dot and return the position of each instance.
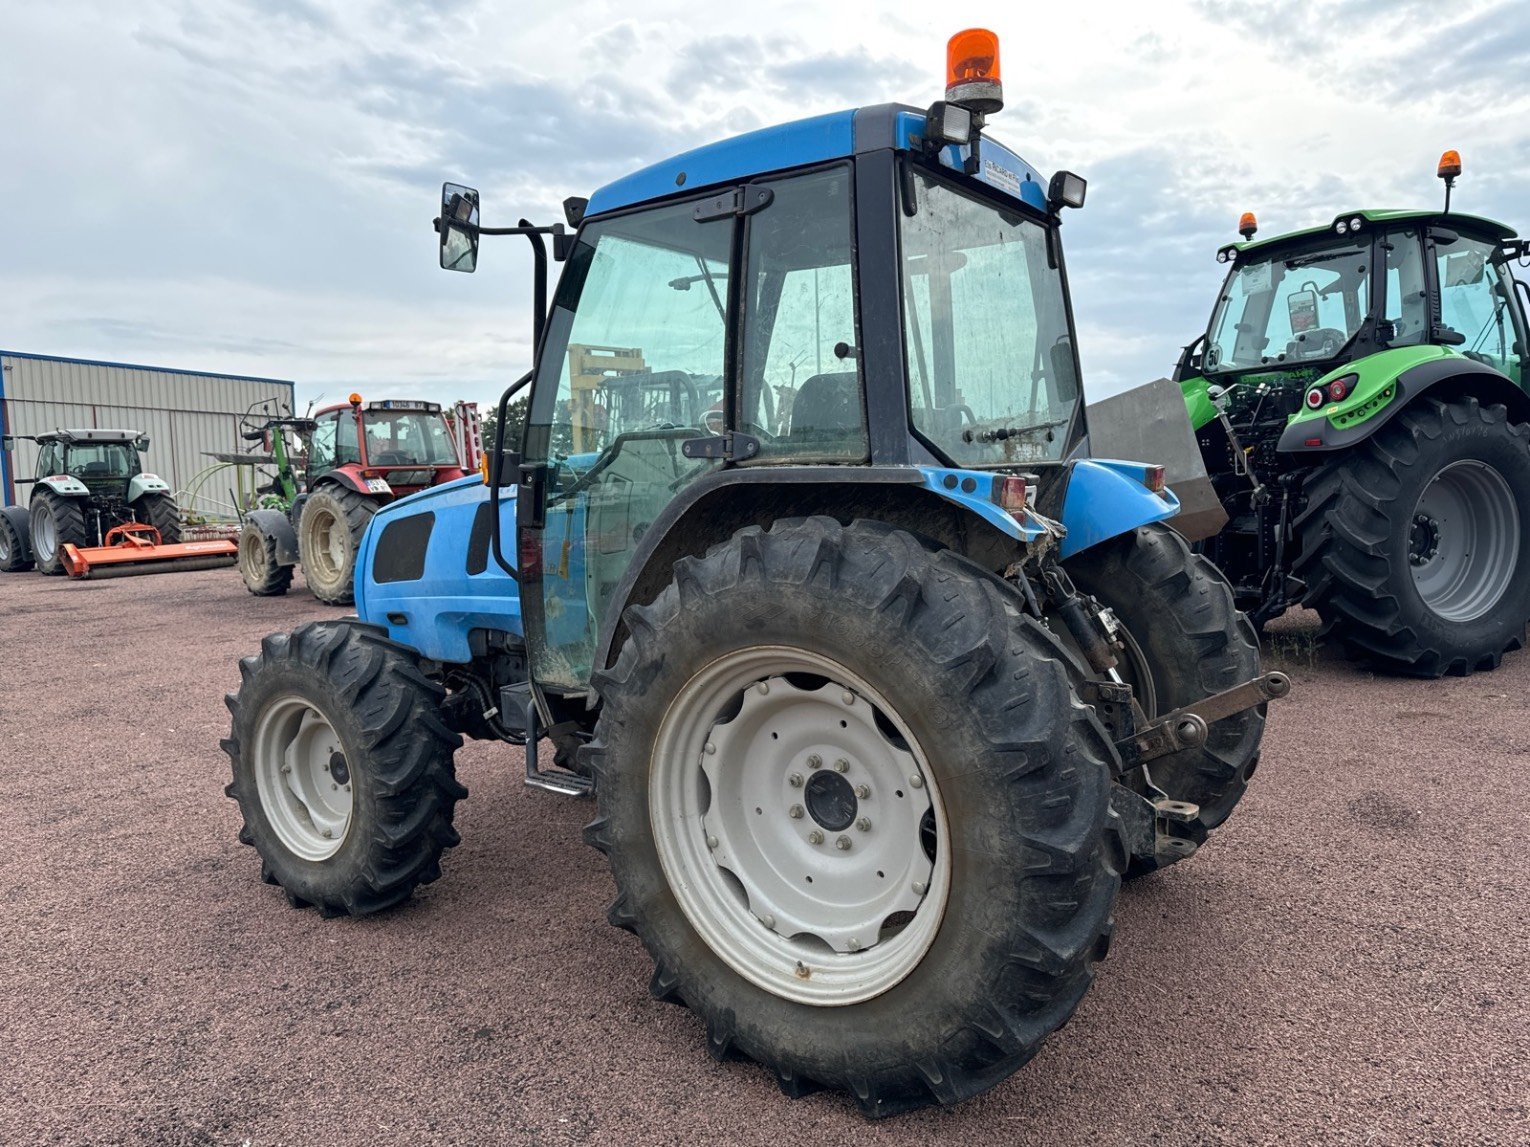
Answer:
(247, 185)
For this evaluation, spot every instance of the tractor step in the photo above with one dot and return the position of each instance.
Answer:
(517, 704)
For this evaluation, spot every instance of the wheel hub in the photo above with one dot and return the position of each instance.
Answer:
(1423, 540)
(831, 801)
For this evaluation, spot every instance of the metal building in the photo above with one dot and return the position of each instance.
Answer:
(187, 415)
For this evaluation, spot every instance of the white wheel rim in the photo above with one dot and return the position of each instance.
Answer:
(329, 539)
(735, 800)
(302, 777)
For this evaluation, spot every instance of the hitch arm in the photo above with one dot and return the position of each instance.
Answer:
(1191, 724)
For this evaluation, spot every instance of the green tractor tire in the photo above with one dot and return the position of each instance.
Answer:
(1415, 545)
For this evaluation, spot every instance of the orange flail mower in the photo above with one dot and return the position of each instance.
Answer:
(135, 548)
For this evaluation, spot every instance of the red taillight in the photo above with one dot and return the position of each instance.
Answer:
(1341, 388)
(1154, 478)
(1313, 442)
(1316, 398)
(1012, 495)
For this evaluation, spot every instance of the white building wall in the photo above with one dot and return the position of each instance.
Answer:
(186, 415)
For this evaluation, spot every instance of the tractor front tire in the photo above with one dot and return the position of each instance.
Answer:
(161, 512)
(1415, 545)
(329, 536)
(855, 812)
(263, 575)
(342, 767)
(56, 522)
(14, 554)
(1184, 640)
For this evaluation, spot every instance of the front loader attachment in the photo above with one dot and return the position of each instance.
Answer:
(1149, 424)
(135, 549)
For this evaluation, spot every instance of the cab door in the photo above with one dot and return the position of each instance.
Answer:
(634, 358)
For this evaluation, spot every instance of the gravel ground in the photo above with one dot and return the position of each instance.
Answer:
(1345, 962)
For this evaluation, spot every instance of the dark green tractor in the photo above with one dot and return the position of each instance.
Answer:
(1359, 401)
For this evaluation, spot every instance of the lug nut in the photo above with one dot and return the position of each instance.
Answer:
(864, 824)
(843, 844)
(795, 812)
(815, 837)
(286, 768)
(853, 944)
(711, 842)
(764, 688)
(334, 787)
(768, 920)
(710, 749)
(326, 768)
(795, 780)
(815, 762)
(863, 791)
(847, 697)
(842, 766)
(916, 781)
(328, 835)
(919, 887)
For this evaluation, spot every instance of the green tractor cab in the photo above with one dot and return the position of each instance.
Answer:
(1359, 403)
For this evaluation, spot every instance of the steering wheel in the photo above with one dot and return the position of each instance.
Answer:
(1319, 342)
(391, 458)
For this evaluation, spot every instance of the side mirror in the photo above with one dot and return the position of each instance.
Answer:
(1302, 310)
(1066, 190)
(458, 226)
(7, 443)
(141, 443)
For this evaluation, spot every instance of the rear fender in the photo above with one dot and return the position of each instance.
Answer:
(352, 480)
(274, 524)
(64, 485)
(142, 484)
(953, 508)
(21, 526)
(1389, 382)
(1106, 499)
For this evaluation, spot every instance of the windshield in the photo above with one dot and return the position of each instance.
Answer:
(408, 438)
(991, 372)
(1291, 306)
(102, 460)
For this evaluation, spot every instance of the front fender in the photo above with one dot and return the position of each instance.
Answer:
(274, 524)
(1105, 499)
(142, 484)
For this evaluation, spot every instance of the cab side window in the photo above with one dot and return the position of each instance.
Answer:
(1474, 301)
(321, 448)
(1407, 301)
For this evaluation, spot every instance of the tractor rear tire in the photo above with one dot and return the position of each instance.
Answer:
(329, 536)
(161, 512)
(14, 555)
(342, 767)
(56, 522)
(263, 575)
(846, 704)
(1189, 638)
(1415, 545)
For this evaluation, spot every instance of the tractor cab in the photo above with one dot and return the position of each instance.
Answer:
(392, 444)
(1296, 306)
(104, 460)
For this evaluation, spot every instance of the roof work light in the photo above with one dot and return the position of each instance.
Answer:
(972, 71)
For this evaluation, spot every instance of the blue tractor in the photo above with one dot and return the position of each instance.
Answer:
(802, 566)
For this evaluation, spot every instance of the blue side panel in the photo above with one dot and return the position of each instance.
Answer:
(437, 610)
(771, 149)
(1107, 498)
(998, 167)
(973, 490)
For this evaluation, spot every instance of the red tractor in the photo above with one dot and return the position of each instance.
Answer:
(361, 456)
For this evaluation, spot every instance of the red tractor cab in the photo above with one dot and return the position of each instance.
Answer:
(361, 456)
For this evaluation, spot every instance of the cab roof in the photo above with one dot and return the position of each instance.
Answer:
(1455, 220)
(91, 435)
(820, 139)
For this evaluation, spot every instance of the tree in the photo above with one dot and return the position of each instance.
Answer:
(515, 421)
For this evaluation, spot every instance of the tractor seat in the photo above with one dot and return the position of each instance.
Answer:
(94, 470)
(827, 411)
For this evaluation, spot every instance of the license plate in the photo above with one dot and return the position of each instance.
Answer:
(378, 486)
